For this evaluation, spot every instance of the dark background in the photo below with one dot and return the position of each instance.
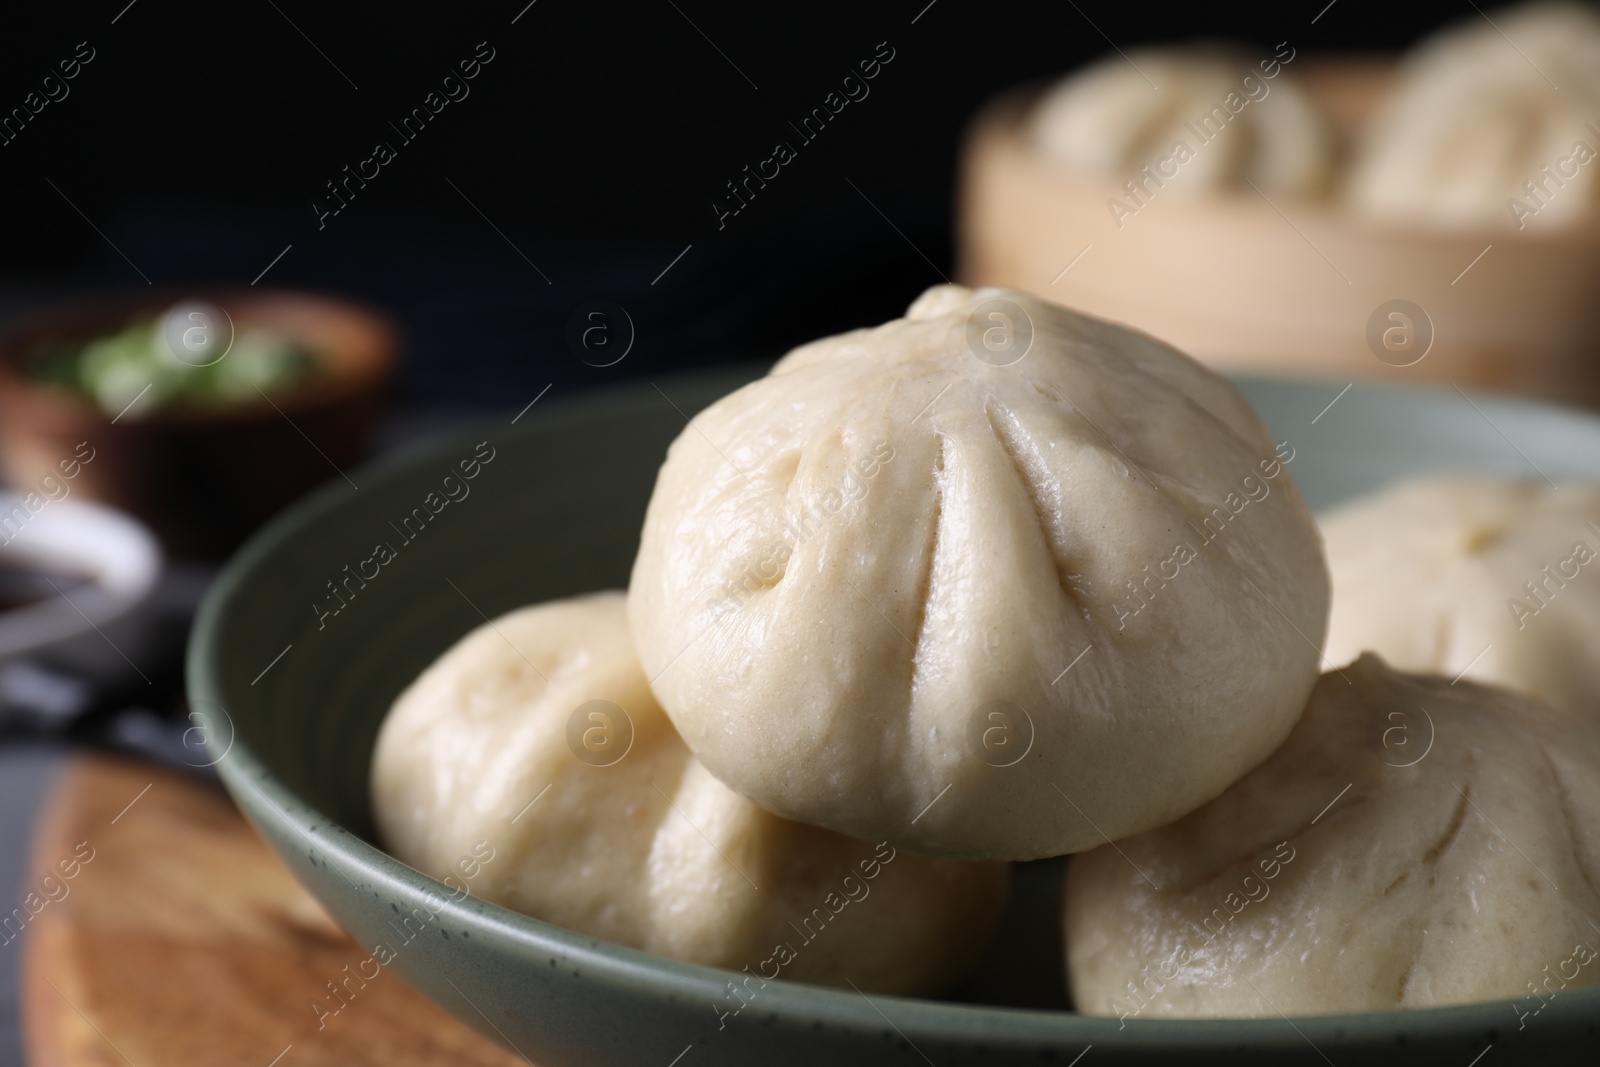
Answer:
(595, 141)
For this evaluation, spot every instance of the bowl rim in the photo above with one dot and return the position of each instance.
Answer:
(125, 543)
(634, 971)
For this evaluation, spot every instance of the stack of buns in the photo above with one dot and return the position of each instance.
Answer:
(1270, 209)
(998, 581)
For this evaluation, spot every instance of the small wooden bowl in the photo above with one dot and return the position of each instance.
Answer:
(203, 479)
(1287, 285)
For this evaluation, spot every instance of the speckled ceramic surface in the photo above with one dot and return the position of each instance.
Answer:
(291, 684)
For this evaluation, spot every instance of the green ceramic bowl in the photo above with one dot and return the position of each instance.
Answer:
(293, 694)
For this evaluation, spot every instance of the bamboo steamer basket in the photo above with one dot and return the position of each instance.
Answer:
(1246, 283)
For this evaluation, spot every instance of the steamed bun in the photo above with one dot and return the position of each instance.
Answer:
(1412, 844)
(1495, 578)
(637, 843)
(1234, 120)
(984, 611)
(1483, 108)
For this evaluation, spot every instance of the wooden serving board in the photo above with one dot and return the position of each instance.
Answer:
(182, 940)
